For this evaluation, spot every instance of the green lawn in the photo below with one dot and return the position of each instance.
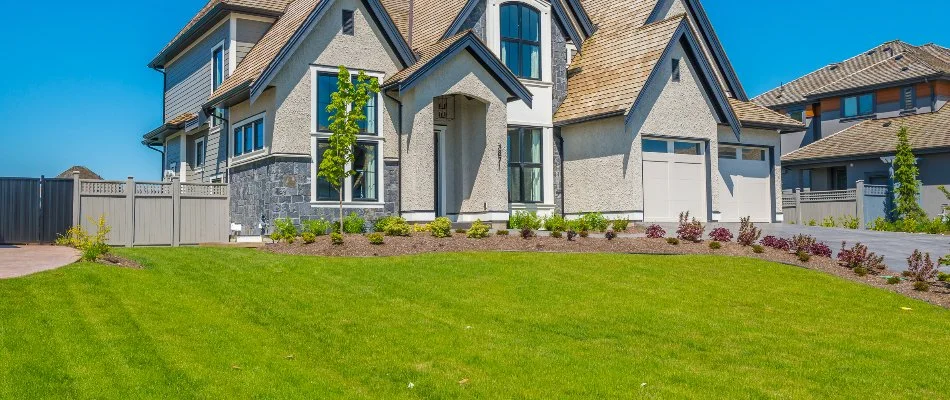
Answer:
(230, 323)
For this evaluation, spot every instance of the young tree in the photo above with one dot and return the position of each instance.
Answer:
(347, 106)
(906, 176)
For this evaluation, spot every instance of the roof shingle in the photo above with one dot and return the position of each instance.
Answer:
(754, 115)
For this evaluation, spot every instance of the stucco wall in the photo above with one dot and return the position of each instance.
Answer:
(460, 75)
(327, 46)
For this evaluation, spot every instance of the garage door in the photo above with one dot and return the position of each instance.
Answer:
(748, 184)
(674, 179)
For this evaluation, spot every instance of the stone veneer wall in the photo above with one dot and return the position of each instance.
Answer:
(476, 21)
(280, 187)
(559, 61)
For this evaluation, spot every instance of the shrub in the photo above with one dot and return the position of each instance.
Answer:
(881, 224)
(577, 225)
(758, 249)
(655, 232)
(849, 222)
(556, 234)
(721, 235)
(571, 235)
(441, 227)
(942, 277)
(316, 227)
(776, 243)
(802, 243)
(821, 250)
(461, 231)
(336, 238)
(748, 232)
(555, 223)
(91, 246)
(584, 234)
(906, 274)
(375, 238)
(381, 224)
(353, 223)
(828, 222)
(595, 221)
(525, 220)
(398, 227)
(803, 256)
(715, 245)
(812, 222)
(620, 225)
(859, 257)
(275, 237)
(308, 237)
(421, 228)
(610, 235)
(921, 286)
(527, 233)
(478, 230)
(893, 280)
(861, 271)
(921, 267)
(673, 241)
(290, 239)
(285, 230)
(502, 232)
(689, 230)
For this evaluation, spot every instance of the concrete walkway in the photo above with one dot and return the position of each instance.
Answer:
(18, 261)
(894, 246)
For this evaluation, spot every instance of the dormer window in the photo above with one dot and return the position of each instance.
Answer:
(521, 40)
(217, 66)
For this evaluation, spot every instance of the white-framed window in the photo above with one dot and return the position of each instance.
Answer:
(217, 66)
(247, 136)
(525, 165)
(364, 188)
(732, 152)
(521, 39)
(201, 151)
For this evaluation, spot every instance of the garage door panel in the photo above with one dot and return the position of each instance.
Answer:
(656, 190)
(674, 183)
(747, 191)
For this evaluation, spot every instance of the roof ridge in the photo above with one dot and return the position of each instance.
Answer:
(820, 89)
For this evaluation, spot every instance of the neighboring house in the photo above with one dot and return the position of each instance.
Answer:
(629, 108)
(84, 173)
(892, 80)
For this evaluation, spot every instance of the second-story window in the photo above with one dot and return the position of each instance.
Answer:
(217, 67)
(908, 98)
(855, 106)
(797, 114)
(676, 70)
(326, 85)
(521, 40)
(249, 137)
(348, 23)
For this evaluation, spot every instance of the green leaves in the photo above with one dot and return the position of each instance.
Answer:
(906, 176)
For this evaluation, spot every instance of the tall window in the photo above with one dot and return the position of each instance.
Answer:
(348, 23)
(860, 105)
(676, 70)
(521, 40)
(200, 152)
(249, 137)
(364, 184)
(217, 66)
(325, 191)
(326, 86)
(837, 178)
(524, 165)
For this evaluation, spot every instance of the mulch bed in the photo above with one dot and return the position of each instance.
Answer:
(359, 246)
(118, 261)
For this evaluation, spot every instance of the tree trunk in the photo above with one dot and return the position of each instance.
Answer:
(340, 192)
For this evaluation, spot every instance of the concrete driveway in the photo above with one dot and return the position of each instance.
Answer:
(894, 246)
(25, 260)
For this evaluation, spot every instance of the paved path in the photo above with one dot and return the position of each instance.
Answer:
(894, 246)
(25, 260)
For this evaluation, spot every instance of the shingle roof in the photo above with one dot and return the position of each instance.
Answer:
(425, 55)
(274, 7)
(754, 115)
(266, 50)
(616, 62)
(893, 61)
(181, 119)
(432, 18)
(399, 12)
(84, 173)
(879, 137)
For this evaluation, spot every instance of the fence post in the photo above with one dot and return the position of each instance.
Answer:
(798, 206)
(76, 188)
(129, 212)
(176, 211)
(859, 201)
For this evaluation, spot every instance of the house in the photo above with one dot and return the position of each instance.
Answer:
(630, 108)
(84, 173)
(852, 111)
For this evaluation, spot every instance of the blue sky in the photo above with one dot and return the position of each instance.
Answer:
(76, 89)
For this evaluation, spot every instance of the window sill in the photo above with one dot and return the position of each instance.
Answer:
(347, 204)
(909, 111)
(248, 157)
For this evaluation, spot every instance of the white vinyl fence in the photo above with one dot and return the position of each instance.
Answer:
(153, 213)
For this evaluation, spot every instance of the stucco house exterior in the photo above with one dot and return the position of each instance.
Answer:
(630, 108)
(852, 111)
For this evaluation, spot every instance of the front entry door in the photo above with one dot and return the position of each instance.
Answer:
(439, 153)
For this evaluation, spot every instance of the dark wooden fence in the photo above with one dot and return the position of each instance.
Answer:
(34, 210)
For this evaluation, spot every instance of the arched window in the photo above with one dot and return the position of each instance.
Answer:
(521, 40)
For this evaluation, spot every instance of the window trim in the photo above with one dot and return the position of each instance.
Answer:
(521, 41)
(347, 187)
(233, 142)
(352, 26)
(857, 98)
(217, 49)
(199, 163)
(315, 72)
(800, 111)
(521, 164)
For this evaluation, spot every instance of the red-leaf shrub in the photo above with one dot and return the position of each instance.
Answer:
(776, 243)
(721, 235)
(748, 233)
(921, 267)
(801, 243)
(859, 257)
(655, 232)
(821, 250)
(689, 230)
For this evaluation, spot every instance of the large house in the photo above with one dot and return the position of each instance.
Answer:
(852, 111)
(626, 107)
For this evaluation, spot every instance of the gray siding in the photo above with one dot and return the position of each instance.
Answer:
(215, 156)
(172, 154)
(188, 81)
(248, 34)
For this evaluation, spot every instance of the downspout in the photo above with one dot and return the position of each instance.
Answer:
(560, 141)
(399, 149)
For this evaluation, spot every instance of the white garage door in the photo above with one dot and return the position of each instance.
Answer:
(747, 177)
(674, 179)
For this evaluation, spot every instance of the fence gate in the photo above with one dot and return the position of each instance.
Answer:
(34, 210)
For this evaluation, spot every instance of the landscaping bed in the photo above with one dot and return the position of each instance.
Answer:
(358, 246)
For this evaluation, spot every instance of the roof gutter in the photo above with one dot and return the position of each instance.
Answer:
(860, 89)
(852, 157)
